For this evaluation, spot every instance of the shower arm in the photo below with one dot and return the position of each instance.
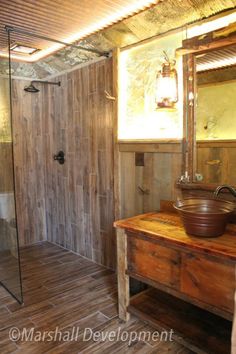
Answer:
(46, 82)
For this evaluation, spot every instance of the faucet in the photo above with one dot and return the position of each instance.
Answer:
(225, 186)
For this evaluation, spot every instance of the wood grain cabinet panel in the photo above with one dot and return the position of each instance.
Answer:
(154, 262)
(209, 281)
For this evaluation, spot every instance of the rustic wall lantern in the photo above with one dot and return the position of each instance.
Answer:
(167, 84)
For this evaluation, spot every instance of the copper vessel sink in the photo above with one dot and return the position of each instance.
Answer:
(204, 217)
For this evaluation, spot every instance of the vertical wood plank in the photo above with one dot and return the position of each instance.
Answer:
(116, 53)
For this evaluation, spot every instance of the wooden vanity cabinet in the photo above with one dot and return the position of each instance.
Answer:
(208, 282)
(155, 249)
(192, 279)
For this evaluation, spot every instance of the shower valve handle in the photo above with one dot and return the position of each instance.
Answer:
(60, 157)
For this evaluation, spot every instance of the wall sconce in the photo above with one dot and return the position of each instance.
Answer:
(167, 84)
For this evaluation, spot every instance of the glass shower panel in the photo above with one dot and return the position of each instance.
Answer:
(10, 275)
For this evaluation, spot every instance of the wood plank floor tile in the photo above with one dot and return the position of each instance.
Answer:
(66, 291)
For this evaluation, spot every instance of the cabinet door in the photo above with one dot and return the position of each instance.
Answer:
(209, 281)
(155, 262)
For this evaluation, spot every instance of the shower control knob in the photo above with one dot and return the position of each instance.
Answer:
(60, 157)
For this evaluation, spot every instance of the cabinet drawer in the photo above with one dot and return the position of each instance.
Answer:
(208, 281)
(154, 262)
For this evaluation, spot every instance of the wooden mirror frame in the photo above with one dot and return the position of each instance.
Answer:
(191, 47)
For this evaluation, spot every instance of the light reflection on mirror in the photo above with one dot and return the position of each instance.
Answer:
(216, 116)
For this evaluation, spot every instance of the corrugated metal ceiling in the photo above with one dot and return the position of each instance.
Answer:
(217, 59)
(165, 16)
(66, 20)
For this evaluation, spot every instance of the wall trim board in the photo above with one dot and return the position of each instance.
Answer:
(155, 147)
(216, 143)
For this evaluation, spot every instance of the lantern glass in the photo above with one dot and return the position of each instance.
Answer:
(166, 88)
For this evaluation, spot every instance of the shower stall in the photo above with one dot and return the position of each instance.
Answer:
(10, 271)
(10, 268)
(56, 141)
(10, 265)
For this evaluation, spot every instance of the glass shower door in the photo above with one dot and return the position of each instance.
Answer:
(10, 273)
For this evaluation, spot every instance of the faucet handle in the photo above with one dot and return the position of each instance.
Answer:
(60, 157)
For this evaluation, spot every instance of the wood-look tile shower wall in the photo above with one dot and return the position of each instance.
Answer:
(71, 204)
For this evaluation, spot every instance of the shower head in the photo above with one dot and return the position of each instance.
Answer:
(31, 88)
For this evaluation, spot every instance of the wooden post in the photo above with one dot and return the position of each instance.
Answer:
(123, 278)
(115, 57)
(233, 349)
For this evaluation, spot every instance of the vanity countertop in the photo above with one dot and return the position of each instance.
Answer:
(168, 228)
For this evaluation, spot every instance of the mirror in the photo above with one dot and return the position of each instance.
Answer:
(209, 76)
(215, 115)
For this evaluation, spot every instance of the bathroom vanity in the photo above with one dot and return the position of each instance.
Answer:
(192, 279)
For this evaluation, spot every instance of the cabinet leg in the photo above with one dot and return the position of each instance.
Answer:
(123, 278)
(233, 350)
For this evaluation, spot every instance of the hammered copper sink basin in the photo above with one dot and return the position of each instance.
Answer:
(205, 217)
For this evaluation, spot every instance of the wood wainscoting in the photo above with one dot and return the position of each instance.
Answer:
(216, 161)
(71, 204)
(148, 174)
